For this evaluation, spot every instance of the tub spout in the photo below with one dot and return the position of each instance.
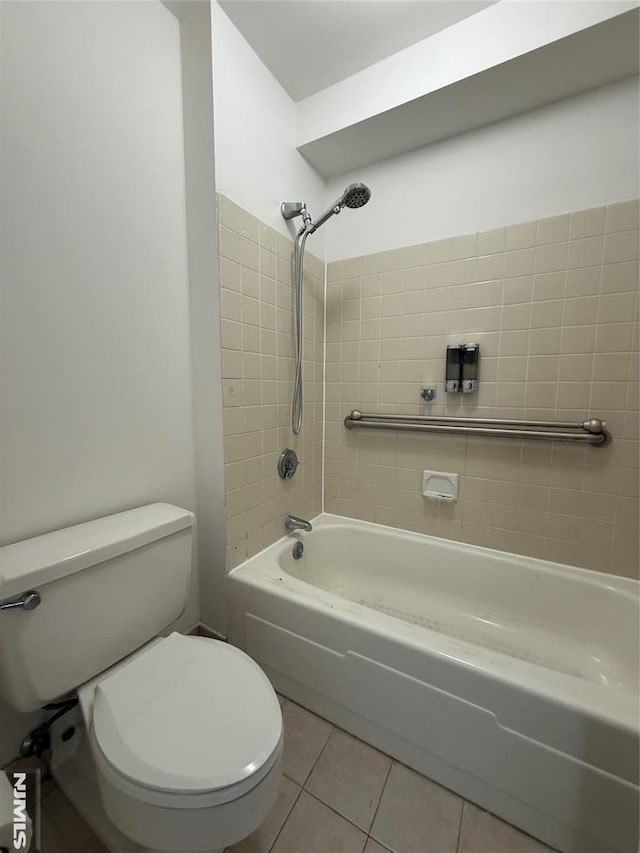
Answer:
(292, 522)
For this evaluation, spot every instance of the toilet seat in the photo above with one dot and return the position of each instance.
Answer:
(187, 723)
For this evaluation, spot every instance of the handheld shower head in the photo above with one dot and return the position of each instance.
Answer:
(355, 195)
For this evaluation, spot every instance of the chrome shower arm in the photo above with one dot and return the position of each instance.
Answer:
(335, 208)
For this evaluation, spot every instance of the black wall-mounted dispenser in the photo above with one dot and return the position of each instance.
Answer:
(462, 368)
(454, 369)
(470, 361)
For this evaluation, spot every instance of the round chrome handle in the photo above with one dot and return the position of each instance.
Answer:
(287, 464)
(595, 426)
(27, 601)
(30, 600)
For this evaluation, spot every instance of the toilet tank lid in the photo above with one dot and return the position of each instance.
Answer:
(33, 562)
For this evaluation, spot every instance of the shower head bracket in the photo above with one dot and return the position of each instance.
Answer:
(290, 209)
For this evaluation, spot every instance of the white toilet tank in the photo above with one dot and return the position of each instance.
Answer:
(106, 588)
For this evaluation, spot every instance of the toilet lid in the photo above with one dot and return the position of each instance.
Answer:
(187, 716)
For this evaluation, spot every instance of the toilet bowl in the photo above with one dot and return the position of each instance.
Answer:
(186, 738)
(177, 744)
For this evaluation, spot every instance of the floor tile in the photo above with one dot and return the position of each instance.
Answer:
(305, 735)
(349, 777)
(313, 828)
(64, 821)
(47, 785)
(482, 832)
(262, 839)
(93, 846)
(51, 839)
(415, 814)
(59, 839)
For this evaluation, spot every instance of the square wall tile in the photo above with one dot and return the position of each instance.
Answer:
(552, 302)
(587, 223)
(554, 229)
(623, 217)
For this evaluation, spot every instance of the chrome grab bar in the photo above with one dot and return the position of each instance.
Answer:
(592, 431)
(26, 601)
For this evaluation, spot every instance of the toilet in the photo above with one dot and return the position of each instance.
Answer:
(179, 737)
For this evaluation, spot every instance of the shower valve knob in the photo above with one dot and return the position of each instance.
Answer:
(287, 464)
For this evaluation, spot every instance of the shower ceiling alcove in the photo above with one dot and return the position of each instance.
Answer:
(496, 61)
(553, 63)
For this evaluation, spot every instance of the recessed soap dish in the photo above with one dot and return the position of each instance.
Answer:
(440, 486)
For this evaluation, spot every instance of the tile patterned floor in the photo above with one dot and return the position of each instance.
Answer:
(338, 795)
(62, 828)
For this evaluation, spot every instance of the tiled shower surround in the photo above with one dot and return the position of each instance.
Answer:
(553, 304)
(257, 377)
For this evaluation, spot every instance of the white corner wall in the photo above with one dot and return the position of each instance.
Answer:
(577, 153)
(197, 91)
(257, 165)
(96, 410)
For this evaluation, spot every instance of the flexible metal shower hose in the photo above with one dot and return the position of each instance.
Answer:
(298, 276)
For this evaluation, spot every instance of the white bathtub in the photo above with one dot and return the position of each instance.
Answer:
(510, 680)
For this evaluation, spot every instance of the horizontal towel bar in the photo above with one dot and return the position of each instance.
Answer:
(592, 431)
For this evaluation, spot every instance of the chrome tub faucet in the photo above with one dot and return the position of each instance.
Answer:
(292, 522)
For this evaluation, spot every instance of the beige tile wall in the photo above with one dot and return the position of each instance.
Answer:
(554, 305)
(257, 377)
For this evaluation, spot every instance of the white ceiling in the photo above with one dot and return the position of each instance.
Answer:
(311, 44)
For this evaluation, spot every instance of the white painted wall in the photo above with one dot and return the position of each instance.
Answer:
(197, 89)
(96, 411)
(578, 153)
(354, 35)
(257, 164)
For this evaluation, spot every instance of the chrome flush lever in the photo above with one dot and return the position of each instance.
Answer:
(27, 601)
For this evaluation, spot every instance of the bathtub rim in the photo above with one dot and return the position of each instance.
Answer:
(571, 691)
(324, 520)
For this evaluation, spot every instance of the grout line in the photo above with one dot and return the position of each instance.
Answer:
(308, 776)
(302, 786)
(288, 815)
(460, 825)
(339, 814)
(381, 846)
(324, 387)
(384, 788)
(596, 323)
(46, 790)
